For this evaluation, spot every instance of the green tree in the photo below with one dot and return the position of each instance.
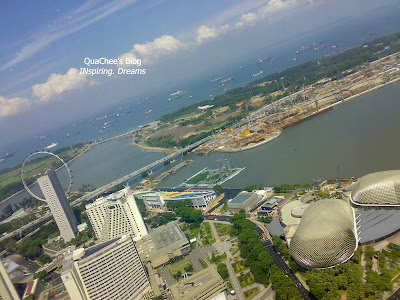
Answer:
(41, 274)
(223, 270)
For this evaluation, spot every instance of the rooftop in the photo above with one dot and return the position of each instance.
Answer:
(242, 197)
(206, 282)
(166, 235)
(182, 195)
(377, 224)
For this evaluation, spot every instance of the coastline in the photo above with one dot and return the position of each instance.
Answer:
(275, 136)
(156, 149)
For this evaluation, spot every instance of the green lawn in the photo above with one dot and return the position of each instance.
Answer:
(223, 229)
(251, 293)
(234, 250)
(33, 168)
(245, 280)
(203, 263)
(198, 178)
(180, 268)
(207, 236)
(238, 267)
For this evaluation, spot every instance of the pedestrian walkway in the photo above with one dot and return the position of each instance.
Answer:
(232, 275)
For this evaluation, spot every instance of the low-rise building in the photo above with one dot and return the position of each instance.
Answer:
(158, 200)
(245, 200)
(269, 206)
(200, 286)
(162, 244)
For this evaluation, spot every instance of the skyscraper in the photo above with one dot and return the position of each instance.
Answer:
(110, 270)
(59, 206)
(7, 290)
(115, 215)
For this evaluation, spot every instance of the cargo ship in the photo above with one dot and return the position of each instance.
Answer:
(51, 146)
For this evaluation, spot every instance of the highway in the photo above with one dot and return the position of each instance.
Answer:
(279, 261)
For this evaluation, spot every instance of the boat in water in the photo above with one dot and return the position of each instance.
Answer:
(258, 73)
(72, 133)
(176, 95)
(52, 145)
(7, 155)
(226, 79)
(149, 112)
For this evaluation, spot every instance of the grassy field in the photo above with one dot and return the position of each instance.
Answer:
(234, 250)
(238, 267)
(181, 268)
(251, 293)
(223, 229)
(203, 263)
(198, 178)
(207, 236)
(245, 280)
(33, 168)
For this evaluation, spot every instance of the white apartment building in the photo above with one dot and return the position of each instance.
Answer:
(110, 270)
(59, 206)
(115, 215)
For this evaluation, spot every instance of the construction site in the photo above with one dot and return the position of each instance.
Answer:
(269, 121)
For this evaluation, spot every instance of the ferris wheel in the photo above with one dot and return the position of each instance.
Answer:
(48, 153)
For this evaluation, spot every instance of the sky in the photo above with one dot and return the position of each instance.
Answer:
(44, 44)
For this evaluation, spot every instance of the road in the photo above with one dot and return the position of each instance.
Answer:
(279, 261)
(395, 296)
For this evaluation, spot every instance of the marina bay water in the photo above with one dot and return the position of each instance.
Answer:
(359, 135)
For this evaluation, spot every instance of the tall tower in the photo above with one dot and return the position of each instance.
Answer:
(59, 206)
(7, 290)
(110, 270)
(115, 215)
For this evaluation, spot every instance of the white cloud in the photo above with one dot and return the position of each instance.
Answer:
(13, 106)
(57, 84)
(151, 51)
(71, 22)
(246, 19)
(205, 33)
(274, 6)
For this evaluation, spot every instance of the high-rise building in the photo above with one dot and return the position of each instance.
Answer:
(7, 290)
(59, 206)
(115, 215)
(110, 270)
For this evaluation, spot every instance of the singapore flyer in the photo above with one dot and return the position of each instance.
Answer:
(46, 153)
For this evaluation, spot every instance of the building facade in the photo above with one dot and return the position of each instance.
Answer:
(110, 270)
(153, 201)
(116, 215)
(58, 203)
(326, 235)
(7, 290)
(380, 189)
